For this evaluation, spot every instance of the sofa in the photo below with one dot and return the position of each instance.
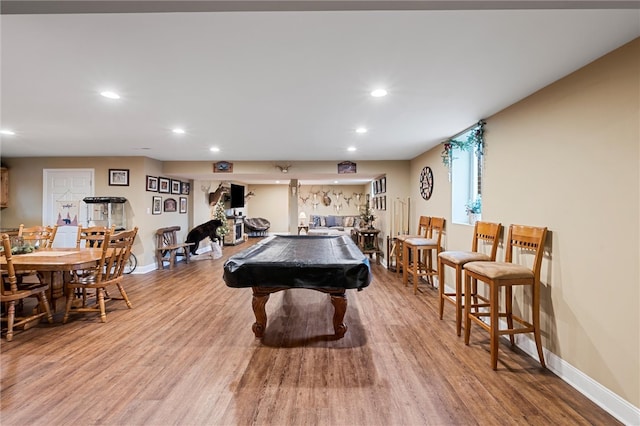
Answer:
(332, 225)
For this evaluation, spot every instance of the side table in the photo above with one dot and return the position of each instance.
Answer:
(367, 240)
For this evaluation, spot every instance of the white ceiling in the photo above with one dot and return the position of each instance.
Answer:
(282, 85)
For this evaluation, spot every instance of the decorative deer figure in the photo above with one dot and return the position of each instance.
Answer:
(214, 197)
(305, 199)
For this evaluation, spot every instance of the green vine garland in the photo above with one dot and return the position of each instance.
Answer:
(474, 140)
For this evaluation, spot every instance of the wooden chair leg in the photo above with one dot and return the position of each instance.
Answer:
(103, 311)
(44, 305)
(11, 316)
(67, 309)
(536, 322)
(415, 253)
(508, 294)
(441, 287)
(467, 308)
(494, 326)
(458, 298)
(124, 296)
(405, 265)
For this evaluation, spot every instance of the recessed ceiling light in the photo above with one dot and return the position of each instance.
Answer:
(351, 149)
(7, 132)
(277, 181)
(379, 93)
(335, 181)
(109, 94)
(361, 130)
(214, 149)
(178, 131)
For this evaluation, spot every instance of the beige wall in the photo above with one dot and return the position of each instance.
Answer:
(25, 189)
(567, 158)
(271, 202)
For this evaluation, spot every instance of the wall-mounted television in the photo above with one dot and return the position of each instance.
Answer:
(236, 193)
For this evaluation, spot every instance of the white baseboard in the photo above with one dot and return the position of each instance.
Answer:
(609, 401)
(143, 269)
(612, 403)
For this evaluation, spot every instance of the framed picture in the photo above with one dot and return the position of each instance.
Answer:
(170, 205)
(164, 185)
(185, 188)
(223, 167)
(346, 167)
(152, 183)
(175, 186)
(156, 205)
(119, 177)
(183, 204)
(383, 185)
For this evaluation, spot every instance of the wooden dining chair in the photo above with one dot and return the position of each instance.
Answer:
(92, 236)
(418, 254)
(38, 236)
(484, 247)
(505, 275)
(116, 249)
(10, 293)
(423, 229)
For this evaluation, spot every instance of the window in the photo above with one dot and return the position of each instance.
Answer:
(463, 154)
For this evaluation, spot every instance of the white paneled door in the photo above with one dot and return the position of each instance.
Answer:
(62, 195)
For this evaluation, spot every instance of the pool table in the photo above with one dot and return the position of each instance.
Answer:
(330, 264)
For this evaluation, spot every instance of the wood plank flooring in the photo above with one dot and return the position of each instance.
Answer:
(185, 355)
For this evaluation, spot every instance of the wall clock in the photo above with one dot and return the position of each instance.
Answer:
(426, 183)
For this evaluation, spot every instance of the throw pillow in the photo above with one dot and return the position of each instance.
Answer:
(334, 221)
(314, 221)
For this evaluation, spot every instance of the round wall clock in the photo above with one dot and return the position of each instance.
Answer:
(426, 183)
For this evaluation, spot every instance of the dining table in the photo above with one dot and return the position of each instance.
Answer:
(51, 265)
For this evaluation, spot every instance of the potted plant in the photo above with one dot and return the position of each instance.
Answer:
(474, 209)
(367, 217)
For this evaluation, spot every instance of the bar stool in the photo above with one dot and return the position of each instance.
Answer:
(486, 235)
(417, 254)
(423, 229)
(505, 275)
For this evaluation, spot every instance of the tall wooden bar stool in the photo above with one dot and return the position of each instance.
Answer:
(417, 254)
(505, 275)
(423, 230)
(485, 239)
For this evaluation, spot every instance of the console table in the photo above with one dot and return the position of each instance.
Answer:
(367, 240)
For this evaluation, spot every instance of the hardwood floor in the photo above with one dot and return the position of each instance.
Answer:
(185, 355)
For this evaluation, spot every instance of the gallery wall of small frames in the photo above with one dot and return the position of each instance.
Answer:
(164, 185)
(379, 186)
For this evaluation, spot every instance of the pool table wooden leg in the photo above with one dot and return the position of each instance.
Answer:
(339, 302)
(259, 301)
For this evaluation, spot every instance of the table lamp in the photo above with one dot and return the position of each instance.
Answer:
(303, 217)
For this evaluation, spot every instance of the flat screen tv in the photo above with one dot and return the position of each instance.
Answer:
(237, 196)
